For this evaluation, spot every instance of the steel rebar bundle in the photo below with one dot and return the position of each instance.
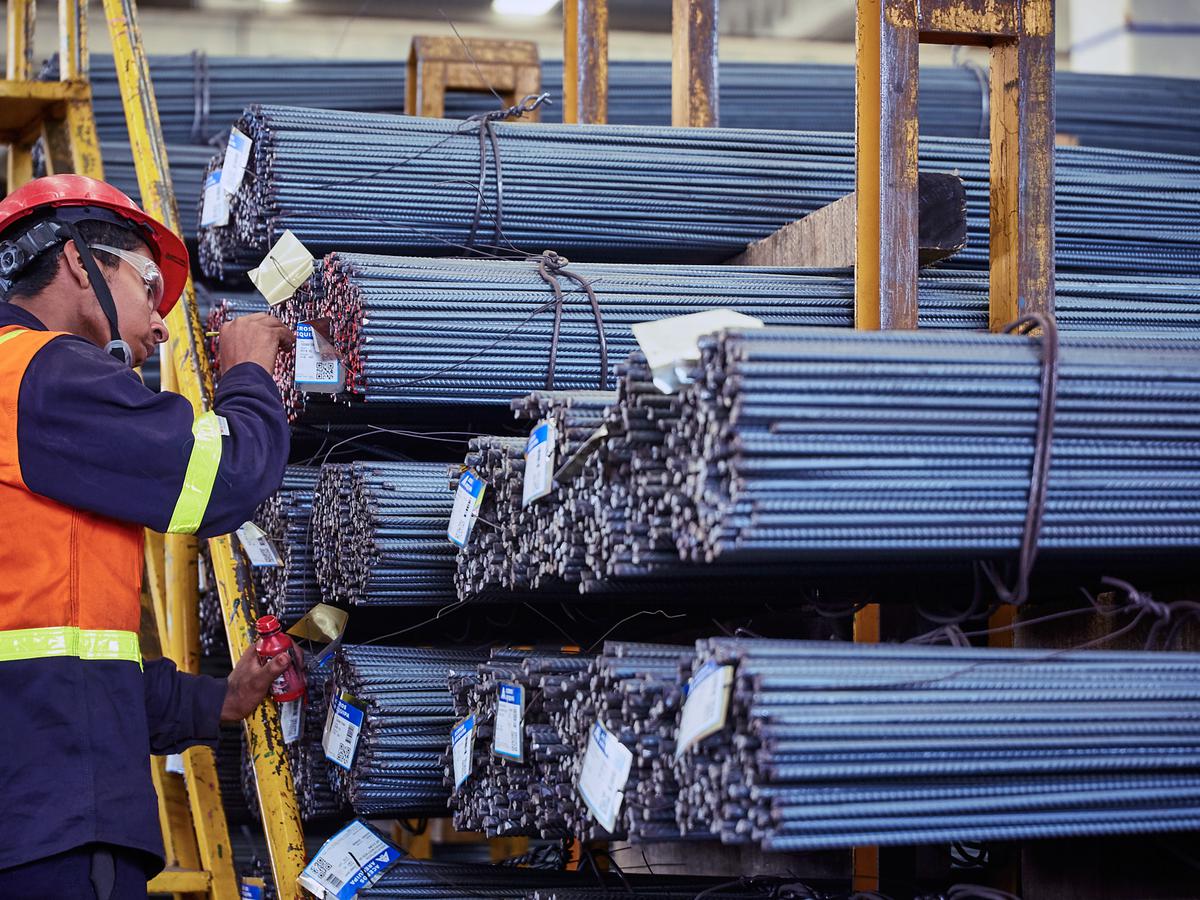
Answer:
(379, 534)
(290, 590)
(413, 879)
(408, 714)
(816, 445)
(535, 796)
(461, 331)
(482, 566)
(634, 690)
(345, 181)
(835, 745)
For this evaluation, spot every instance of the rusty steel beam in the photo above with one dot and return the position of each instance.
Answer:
(585, 62)
(972, 22)
(885, 282)
(478, 65)
(694, 63)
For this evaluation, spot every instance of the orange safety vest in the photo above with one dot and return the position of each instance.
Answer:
(71, 583)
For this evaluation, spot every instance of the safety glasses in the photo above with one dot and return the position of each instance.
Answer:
(147, 268)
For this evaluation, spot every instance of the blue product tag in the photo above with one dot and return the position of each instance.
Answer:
(252, 889)
(509, 727)
(462, 746)
(351, 860)
(467, 500)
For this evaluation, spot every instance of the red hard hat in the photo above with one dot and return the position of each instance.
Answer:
(78, 190)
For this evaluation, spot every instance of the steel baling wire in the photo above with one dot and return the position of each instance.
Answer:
(833, 745)
(397, 771)
(369, 183)
(455, 332)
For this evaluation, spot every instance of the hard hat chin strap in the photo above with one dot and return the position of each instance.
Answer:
(116, 347)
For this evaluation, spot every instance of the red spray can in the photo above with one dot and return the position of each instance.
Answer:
(289, 685)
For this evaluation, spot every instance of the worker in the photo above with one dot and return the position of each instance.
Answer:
(89, 456)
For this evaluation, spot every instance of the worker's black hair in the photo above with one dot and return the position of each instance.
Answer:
(35, 277)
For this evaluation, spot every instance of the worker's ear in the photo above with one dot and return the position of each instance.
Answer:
(74, 263)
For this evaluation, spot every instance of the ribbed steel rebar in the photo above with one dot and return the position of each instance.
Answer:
(455, 331)
(397, 771)
(634, 690)
(290, 590)
(198, 95)
(412, 879)
(379, 534)
(536, 796)
(835, 745)
(816, 445)
(369, 183)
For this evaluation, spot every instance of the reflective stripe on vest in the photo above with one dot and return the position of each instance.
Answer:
(5, 338)
(200, 477)
(39, 643)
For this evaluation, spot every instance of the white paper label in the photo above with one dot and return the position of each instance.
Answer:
(318, 369)
(237, 154)
(602, 779)
(259, 549)
(507, 739)
(291, 719)
(215, 212)
(670, 344)
(175, 763)
(539, 463)
(462, 743)
(222, 425)
(467, 500)
(284, 269)
(342, 728)
(706, 706)
(351, 860)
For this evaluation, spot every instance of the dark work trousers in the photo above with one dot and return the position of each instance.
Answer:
(90, 872)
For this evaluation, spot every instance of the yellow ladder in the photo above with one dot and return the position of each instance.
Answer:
(59, 113)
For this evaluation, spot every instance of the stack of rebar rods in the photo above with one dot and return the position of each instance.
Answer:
(198, 95)
(635, 691)
(482, 563)
(408, 713)
(379, 534)
(454, 331)
(413, 879)
(289, 590)
(836, 745)
(534, 796)
(343, 181)
(817, 445)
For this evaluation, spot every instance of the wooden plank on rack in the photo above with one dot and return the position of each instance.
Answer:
(694, 96)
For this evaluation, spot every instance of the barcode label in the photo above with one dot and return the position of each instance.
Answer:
(510, 722)
(351, 860)
(462, 743)
(259, 549)
(706, 706)
(343, 726)
(215, 212)
(237, 154)
(467, 500)
(539, 463)
(602, 778)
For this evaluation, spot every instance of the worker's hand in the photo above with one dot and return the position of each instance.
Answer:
(256, 338)
(249, 683)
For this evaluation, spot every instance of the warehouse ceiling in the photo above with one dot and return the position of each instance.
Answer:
(831, 20)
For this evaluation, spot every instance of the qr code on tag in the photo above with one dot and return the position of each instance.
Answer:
(321, 867)
(326, 370)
